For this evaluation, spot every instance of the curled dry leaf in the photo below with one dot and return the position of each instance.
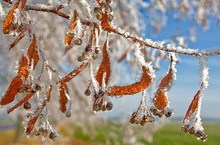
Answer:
(23, 67)
(25, 99)
(33, 52)
(31, 124)
(63, 91)
(160, 100)
(9, 19)
(167, 81)
(75, 72)
(12, 90)
(193, 105)
(145, 81)
(73, 23)
(105, 66)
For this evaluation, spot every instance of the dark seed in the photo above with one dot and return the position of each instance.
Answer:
(192, 130)
(88, 48)
(132, 120)
(78, 41)
(99, 16)
(68, 113)
(96, 107)
(143, 123)
(27, 106)
(109, 106)
(87, 92)
(104, 108)
(80, 58)
(97, 10)
(53, 135)
(94, 56)
(97, 50)
(101, 93)
(37, 87)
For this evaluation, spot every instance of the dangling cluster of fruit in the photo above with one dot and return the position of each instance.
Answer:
(166, 112)
(88, 50)
(104, 11)
(102, 102)
(196, 132)
(141, 117)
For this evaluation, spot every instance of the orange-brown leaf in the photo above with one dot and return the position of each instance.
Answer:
(9, 19)
(105, 66)
(166, 82)
(23, 67)
(25, 99)
(194, 105)
(73, 23)
(33, 52)
(160, 100)
(12, 90)
(63, 90)
(145, 81)
(31, 124)
(74, 73)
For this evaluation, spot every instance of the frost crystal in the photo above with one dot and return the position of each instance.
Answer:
(204, 71)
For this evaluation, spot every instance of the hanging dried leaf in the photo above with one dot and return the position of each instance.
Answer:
(74, 73)
(31, 124)
(160, 100)
(167, 81)
(48, 94)
(17, 40)
(105, 66)
(12, 90)
(25, 99)
(193, 105)
(23, 67)
(145, 81)
(63, 91)
(69, 36)
(9, 19)
(33, 52)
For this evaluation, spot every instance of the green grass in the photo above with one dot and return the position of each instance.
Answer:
(171, 135)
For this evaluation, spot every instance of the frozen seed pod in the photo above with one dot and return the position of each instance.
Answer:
(132, 120)
(21, 89)
(97, 50)
(94, 56)
(87, 92)
(99, 16)
(27, 105)
(36, 133)
(109, 106)
(68, 113)
(97, 9)
(88, 48)
(101, 93)
(53, 135)
(37, 87)
(78, 41)
(80, 58)
(191, 130)
(104, 108)
(108, 1)
(143, 122)
(185, 128)
(168, 113)
(97, 107)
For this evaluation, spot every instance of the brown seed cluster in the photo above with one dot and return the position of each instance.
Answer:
(167, 112)
(197, 133)
(141, 118)
(104, 11)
